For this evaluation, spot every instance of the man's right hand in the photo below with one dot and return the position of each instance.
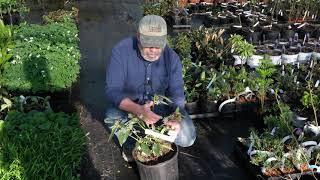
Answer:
(147, 115)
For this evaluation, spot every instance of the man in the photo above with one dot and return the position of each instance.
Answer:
(139, 68)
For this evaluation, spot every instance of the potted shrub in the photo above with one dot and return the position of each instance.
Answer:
(208, 46)
(155, 153)
(262, 80)
(241, 49)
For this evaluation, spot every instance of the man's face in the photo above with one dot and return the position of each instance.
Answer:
(150, 53)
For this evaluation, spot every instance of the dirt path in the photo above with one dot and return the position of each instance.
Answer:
(102, 24)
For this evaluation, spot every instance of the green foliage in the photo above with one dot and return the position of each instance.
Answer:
(40, 145)
(5, 44)
(160, 8)
(61, 15)
(308, 99)
(241, 47)
(262, 80)
(282, 120)
(46, 58)
(148, 148)
(189, 78)
(208, 46)
(183, 45)
(7, 6)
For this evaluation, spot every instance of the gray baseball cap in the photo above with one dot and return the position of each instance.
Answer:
(153, 31)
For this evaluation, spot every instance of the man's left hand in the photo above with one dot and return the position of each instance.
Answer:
(174, 125)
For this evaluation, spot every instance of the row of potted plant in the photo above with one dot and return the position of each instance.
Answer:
(36, 141)
(44, 58)
(289, 144)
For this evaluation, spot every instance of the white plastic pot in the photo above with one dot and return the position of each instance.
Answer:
(276, 60)
(304, 57)
(254, 61)
(316, 55)
(238, 60)
(289, 58)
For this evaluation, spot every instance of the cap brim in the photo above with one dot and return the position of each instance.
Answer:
(153, 41)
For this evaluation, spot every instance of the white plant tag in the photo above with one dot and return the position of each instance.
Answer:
(311, 64)
(169, 138)
(301, 25)
(273, 131)
(317, 83)
(286, 138)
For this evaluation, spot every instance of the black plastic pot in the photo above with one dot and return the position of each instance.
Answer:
(253, 37)
(13, 19)
(208, 106)
(271, 34)
(192, 107)
(167, 170)
(287, 34)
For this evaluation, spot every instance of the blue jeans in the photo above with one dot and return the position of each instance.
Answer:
(185, 137)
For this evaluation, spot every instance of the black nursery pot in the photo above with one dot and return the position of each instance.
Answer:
(208, 106)
(271, 34)
(15, 18)
(192, 107)
(253, 37)
(167, 170)
(287, 33)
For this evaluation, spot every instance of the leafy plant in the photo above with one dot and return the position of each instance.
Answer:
(262, 80)
(5, 44)
(45, 58)
(61, 15)
(148, 148)
(160, 7)
(183, 45)
(8, 6)
(40, 145)
(208, 46)
(241, 47)
(311, 100)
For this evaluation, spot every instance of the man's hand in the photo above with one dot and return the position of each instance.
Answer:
(147, 115)
(174, 125)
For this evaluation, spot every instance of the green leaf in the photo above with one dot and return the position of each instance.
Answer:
(145, 149)
(123, 135)
(45, 126)
(7, 101)
(203, 75)
(156, 149)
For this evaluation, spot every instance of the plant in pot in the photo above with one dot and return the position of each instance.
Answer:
(213, 93)
(154, 152)
(183, 45)
(311, 100)
(161, 8)
(275, 56)
(262, 81)
(240, 49)
(264, 152)
(208, 46)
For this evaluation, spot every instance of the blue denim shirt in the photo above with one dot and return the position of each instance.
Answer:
(129, 75)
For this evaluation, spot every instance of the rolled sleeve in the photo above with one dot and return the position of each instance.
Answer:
(115, 76)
